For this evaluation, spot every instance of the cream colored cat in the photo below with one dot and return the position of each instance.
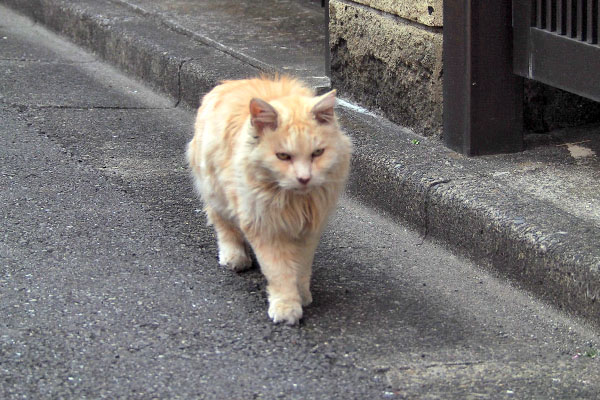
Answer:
(269, 161)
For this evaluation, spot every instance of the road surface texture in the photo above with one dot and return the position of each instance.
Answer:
(110, 288)
(533, 217)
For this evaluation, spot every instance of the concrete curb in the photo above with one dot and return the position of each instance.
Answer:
(444, 195)
(169, 61)
(448, 197)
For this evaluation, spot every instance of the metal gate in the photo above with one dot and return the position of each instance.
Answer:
(489, 45)
(556, 42)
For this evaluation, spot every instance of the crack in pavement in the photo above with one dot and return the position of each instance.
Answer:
(30, 60)
(80, 108)
(427, 196)
(179, 96)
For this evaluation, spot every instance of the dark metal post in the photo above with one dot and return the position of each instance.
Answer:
(482, 96)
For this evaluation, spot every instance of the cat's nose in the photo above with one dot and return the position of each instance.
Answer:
(303, 181)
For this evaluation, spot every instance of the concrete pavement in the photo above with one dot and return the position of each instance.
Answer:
(109, 285)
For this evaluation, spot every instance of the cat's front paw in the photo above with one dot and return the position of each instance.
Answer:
(289, 312)
(235, 259)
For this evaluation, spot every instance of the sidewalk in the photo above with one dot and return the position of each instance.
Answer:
(533, 217)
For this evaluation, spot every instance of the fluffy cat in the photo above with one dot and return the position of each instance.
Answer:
(269, 160)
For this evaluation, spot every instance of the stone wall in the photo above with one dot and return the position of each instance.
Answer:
(387, 56)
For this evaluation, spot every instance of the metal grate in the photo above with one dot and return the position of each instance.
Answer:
(556, 42)
(576, 19)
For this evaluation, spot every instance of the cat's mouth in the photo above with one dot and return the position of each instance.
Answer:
(303, 189)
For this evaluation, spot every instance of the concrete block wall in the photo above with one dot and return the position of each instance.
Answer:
(387, 56)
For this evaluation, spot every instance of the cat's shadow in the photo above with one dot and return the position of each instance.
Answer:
(350, 297)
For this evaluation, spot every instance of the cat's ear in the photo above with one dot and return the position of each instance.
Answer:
(262, 115)
(323, 109)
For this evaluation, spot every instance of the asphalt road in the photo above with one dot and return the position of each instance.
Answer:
(110, 288)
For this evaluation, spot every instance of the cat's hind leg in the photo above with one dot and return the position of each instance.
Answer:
(233, 253)
(307, 254)
(304, 287)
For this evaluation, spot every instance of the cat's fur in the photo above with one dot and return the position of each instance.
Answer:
(269, 161)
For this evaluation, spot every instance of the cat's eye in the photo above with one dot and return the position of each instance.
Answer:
(318, 152)
(283, 156)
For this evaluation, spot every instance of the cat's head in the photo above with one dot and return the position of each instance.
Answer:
(298, 144)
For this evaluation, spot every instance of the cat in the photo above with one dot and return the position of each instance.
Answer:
(269, 161)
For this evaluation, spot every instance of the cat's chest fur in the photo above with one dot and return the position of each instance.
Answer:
(261, 207)
(283, 213)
